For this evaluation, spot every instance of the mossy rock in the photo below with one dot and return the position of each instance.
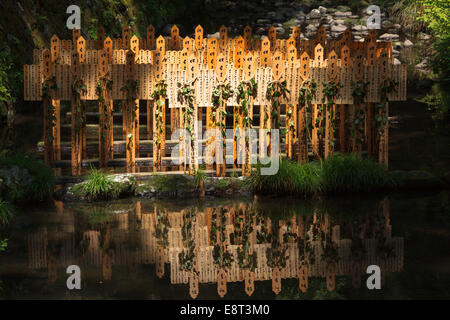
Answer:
(164, 186)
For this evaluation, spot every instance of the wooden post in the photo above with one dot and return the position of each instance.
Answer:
(371, 61)
(130, 109)
(332, 74)
(383, 135)
(302, 112)
(105, 106)
(55, 57)
(50, 108)
(76, 109)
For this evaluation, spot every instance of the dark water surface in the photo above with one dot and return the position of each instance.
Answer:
(116, 245)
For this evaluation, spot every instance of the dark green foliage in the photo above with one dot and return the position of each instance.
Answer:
(292, 178)
(6, 212)
(338, 174)
(351, 173)
(38, 188)
(98, 186)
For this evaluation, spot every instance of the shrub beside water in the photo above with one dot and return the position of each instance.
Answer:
(25, 179)
(338, 174)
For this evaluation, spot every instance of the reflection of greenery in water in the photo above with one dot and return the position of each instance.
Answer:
(423, 221)
(99, 216)
(317, 290)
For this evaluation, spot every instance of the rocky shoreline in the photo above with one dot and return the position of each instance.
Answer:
(184, 187)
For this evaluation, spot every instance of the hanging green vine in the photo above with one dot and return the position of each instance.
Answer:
(47, 88)
(306, 93)
(130, 88)
(359, 92)
(221, 93)
(331, 92)
(186, 96)
(246, 90)
(103, 84)
(277, 90)
(159, 95)
(381, 118)
(78, 88)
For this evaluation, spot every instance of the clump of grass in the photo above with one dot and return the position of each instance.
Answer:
(39, 188)
(338, 174)
(351, 173)
(6, 212)
(98, 186)
(291, 178)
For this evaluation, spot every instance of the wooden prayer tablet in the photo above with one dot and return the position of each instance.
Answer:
(221, 68)
(332, 66)
(198, 37)
(223, 37)
(304, 65)
(134, 44)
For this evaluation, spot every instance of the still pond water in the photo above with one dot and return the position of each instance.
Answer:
(132, 249)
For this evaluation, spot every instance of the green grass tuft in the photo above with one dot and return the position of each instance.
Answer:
(98, 186)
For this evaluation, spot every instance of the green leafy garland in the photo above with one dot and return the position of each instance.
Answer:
(186, 96)
(78, 88)
(275, 91)
(159, 95)
(104, 116)
(331, 92)
(130, 88)
(306, 94)
(381, 118)
(359, 92)
(246, 90)
(48, 86)
(221, 93)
